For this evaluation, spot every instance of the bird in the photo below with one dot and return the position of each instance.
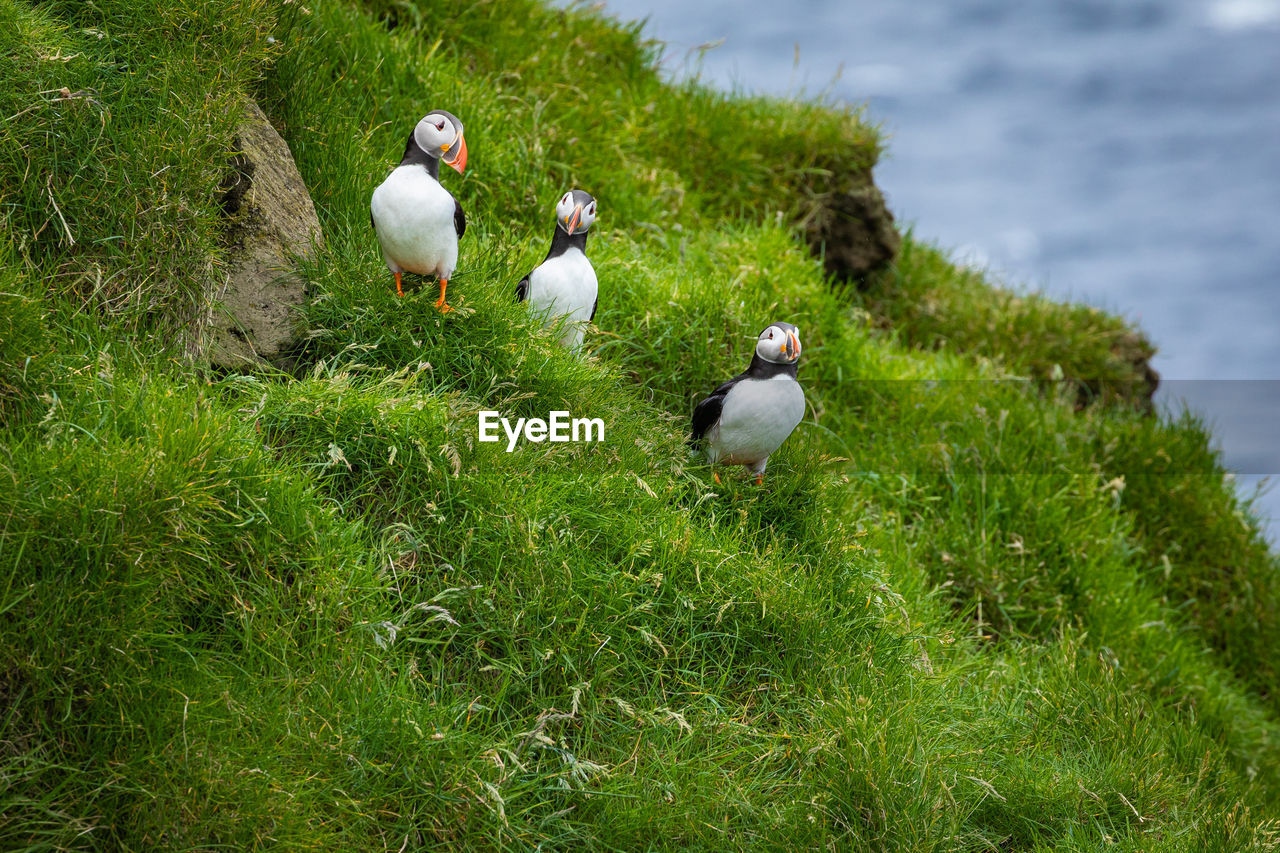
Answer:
(417, 221)
(749, 417)
(563, 288)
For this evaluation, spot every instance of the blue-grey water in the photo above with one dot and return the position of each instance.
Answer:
(1124, 153)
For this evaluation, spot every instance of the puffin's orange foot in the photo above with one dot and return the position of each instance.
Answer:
(440, 303)
(759, 479)
(716, 475)
(399, 289)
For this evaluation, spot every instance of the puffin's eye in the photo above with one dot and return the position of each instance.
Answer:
(440, 125)
(592, 209)
(770, 335)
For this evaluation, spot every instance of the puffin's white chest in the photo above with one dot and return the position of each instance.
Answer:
(757, 416)
(413, 216)
(565, 286)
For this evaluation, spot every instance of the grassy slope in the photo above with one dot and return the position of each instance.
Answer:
(314, 611)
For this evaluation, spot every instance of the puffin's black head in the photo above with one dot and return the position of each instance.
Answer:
(779, 344)
(439, 135)
(575, 212)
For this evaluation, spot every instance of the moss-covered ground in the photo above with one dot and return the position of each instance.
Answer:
(311, 610)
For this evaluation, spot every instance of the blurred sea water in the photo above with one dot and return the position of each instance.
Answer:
(1123, 153)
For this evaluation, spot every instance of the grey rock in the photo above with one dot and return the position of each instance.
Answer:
(271, 223)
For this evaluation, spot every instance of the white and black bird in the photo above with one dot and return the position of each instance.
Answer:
(747, 418)
(563, 288)
(417, 221)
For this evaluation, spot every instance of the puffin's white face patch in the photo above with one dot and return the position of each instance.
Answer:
(778, 345)
(568, 203)
(588, 215)
(434, 132)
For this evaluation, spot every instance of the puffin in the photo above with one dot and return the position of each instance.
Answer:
(747, 418)
(416, 220)
(563, 288)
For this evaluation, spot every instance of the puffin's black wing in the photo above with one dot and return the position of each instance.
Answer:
(708, 411)
(459, 218)
(594, 306)
(522, 289)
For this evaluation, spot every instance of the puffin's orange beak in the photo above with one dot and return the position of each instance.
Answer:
(571, 222)
(459, 161)
(795, 345)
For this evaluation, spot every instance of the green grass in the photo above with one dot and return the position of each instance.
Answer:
(313, 611)
(931, 304)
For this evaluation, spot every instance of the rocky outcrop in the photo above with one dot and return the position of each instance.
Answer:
(271, 224)
(852, 230)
